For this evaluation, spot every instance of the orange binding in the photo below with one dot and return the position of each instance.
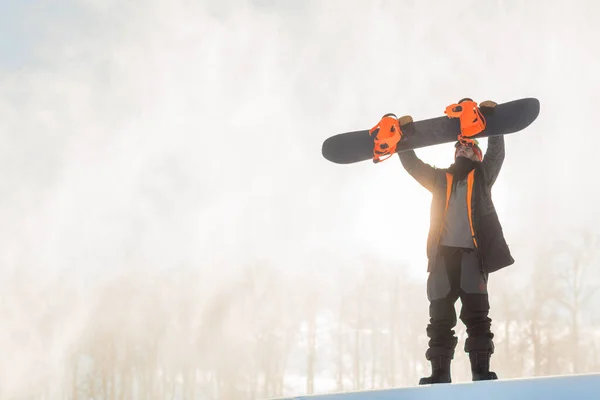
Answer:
(472, 121)
(386, 135)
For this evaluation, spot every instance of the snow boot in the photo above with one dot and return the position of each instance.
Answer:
(440, 371)
(480, 365)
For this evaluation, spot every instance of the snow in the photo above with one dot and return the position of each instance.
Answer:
(585, 386)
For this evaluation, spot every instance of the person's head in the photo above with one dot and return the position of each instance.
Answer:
(469, 149)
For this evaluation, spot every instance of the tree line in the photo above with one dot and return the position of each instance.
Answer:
(265, 332)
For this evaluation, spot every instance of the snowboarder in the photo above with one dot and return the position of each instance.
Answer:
(465, 244)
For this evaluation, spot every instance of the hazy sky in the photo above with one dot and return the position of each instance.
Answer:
(182, 132)
(160, 134)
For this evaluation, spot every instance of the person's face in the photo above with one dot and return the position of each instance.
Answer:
(467, 152)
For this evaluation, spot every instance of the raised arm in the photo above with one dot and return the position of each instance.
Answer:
(493, 159)
(423, 173)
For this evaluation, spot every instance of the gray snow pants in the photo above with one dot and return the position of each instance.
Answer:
(458, 275)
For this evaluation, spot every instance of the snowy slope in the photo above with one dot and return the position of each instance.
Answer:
(547, 388)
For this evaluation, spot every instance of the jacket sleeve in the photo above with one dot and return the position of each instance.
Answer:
(493, 159)
(423, 173)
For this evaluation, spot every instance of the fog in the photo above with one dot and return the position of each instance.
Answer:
(171, 230)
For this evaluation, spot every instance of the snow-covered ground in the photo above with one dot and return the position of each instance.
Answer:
(548, 388)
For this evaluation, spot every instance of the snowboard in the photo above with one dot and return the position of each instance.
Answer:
(506, 118)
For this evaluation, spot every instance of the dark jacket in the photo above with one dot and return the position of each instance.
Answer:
(486, 229)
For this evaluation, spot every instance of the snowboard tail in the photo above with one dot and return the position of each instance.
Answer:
(506, 118)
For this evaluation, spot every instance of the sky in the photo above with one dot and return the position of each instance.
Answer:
(185, 132)
(179, 133)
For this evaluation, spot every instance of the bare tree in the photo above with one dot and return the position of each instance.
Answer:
(535, 301)
(572, 264)
(340, 334)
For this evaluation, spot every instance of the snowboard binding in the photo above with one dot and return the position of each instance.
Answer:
(471, 119)
(386, 135)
